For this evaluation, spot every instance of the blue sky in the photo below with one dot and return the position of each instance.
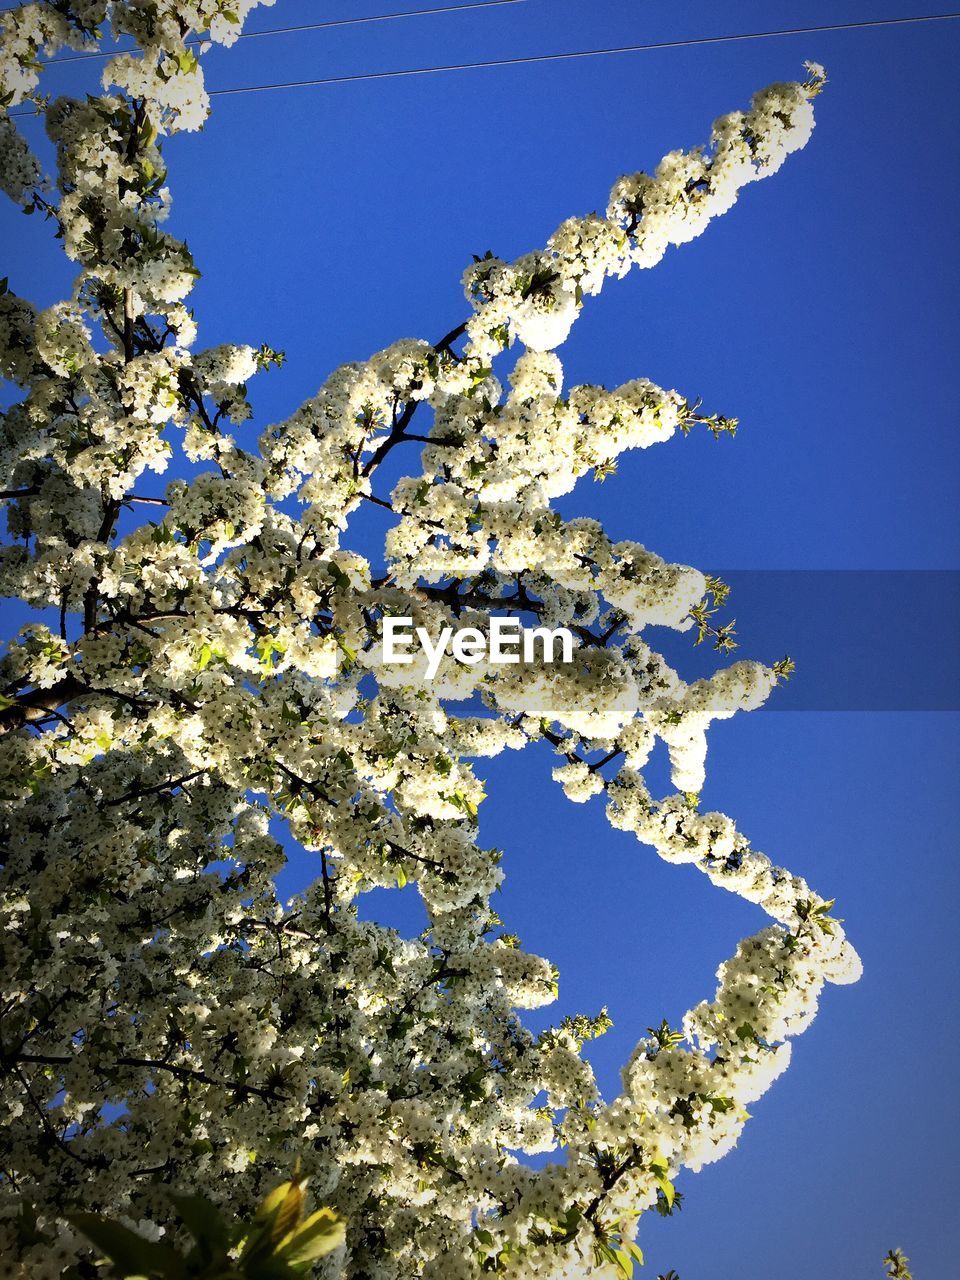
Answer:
(823, 312)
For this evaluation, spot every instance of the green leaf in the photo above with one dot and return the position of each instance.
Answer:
(130, 1253)
(624, 1262)
(465, 803)
(281, 1209)
(319, 1235)
(204, 1221)
(349, 653)
(277, 1214)
(267, 646)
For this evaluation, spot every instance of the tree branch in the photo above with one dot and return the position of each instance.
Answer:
(151, 1064)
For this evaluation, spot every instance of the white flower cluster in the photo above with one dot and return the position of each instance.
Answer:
(536, 298)
(29, 30)
(19, 170)
(17, 318)
(213, 675)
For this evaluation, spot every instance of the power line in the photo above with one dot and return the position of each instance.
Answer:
(583, 53)
(577, 53)
(306, 26)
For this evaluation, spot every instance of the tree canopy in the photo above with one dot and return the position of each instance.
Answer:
(206, 672)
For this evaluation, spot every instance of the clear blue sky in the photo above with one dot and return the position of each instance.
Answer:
(823, 311)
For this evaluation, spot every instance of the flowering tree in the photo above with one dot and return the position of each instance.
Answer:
(168, 1024)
